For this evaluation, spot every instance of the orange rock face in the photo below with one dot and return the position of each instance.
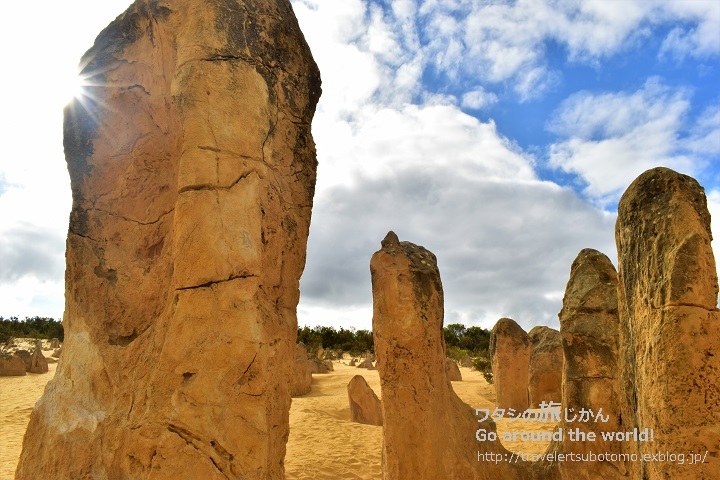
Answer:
(192, 171)
(669, 323)
(365, 406)
(510, 350)
(546, 364)
(428, 432)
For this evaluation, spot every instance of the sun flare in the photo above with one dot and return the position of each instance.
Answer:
(71, 85)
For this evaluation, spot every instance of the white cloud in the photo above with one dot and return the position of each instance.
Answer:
(504, 246)
(613, 137)
(505, 240)
(705, 137)
(699, 37)
(478, 99)
(35, 199)
(500, 41)
(713, 203)
(29, 297)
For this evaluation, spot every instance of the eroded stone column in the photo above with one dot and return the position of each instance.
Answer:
(589, 330)
(546, 366)
(193, 169)
(510, 350)
(428, 432)
(669, 324)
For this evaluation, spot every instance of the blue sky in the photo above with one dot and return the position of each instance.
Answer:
(497, 134)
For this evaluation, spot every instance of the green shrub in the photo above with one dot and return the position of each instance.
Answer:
(31, 327)
(457, 353)
(483, 365)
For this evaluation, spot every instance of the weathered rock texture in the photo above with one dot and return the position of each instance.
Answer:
(38, 363)
(428, 432)
(546, 366)
(11, 366)
(365, 406)
(510, 350)
(192, 172)
(452, 370)
(669, 323)
(589, 330)
(54, 343)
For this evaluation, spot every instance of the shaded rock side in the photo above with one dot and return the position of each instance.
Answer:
(510, 350)
(428, 432)
(302, 377)
(589, 330)
(192, 169)
(452, 370)
(320, 367)
(38, 362)
(367, 363)
(546, 366)
(26, 357)
(11, 366)
(301, 352)
(365, 406)
(669, 332)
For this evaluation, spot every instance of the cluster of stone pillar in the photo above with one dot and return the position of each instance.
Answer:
(640, 347)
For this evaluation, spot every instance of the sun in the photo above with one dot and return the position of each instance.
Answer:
(71, 85)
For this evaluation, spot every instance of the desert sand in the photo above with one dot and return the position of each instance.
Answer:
(324, 444)
(17, 398)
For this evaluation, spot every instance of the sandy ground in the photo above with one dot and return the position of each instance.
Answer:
(17, 398)
(323, 443)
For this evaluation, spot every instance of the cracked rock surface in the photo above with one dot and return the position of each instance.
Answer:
(193, 172)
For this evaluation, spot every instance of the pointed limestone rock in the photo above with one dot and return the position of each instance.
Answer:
(428, 432)
(510, 350)
(365, 407)
(589, 331)
(452, 370)
(546, 366)
(38, 362)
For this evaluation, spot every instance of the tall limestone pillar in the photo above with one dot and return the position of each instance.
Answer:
(428, 432)
(589, 330)
(669, 336)
(510, 352)
(193, 171)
